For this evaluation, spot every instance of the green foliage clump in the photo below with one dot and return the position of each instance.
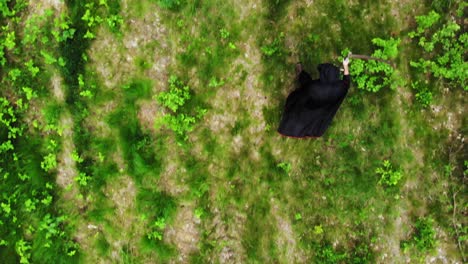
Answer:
(214, 82)
(10, 8)
(50, 162)
(423, 95)
(274, 48)
(423, 238)
(328, 255)
(23, 250)
(444, 46)
(389, 176)
(373, 75)
(285, 166)
(159, 209)
(8, 127)
(179, 121)
(9, 41)
(62, 30)
(177, 95)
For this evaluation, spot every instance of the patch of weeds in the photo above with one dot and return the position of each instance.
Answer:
(362, 254)
(389, 176)
(423, 238)
(52, 113)
(214, 82)
(444, 45)
(275, 47)
(373, 75)
(423, 95)
(180, 120)
(298, 216)
(285, 166)
(326, 254)
(159, 208)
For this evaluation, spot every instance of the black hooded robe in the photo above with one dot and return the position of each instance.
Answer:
(310, 109)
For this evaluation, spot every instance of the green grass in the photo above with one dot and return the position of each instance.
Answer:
(238, 60)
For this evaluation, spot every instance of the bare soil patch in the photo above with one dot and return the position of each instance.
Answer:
(228, 236)
(184, 232)
(285, 237)
(122, 192)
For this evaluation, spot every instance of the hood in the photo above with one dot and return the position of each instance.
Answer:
(329, 73)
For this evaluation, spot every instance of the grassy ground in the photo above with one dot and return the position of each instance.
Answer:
(221, 196)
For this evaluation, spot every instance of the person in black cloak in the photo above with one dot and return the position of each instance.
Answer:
(310, 108)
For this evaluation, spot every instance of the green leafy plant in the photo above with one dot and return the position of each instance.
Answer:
(199, 213)
(114, 22)
(177, 95)
(8, 119)
(9, 41)
(23, 249)
(4, 8)
(389, 176)
(32, 68)
(373, 75)
(48, 58)
(90, 17)
(34, 29)
(275, 48)
(328, 255)
(82, 179)
(14, 74)
(157, 229)
(298, 216)
(224, 33)
(445, 47)
(49, 162)
(214, 82)
(76, 157)
(423, 95)
(62, 30)
(285, 166)
(174, 99)
(30, 94)
(50, 226)
(423, 238)
(318, 229)
(89, 35)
